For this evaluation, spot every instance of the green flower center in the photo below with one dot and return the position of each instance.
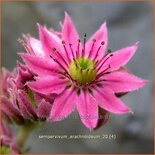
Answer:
(82, 70)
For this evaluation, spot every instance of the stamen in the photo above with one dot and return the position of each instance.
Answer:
(87, 71)
(75, 63)
(63, 43)
(70, 45)
(67, 87)
(54, 49)
(76, 54)
(98, 81)
(104, 62)
(62, 59)
(90, 91)
(95, 65)
(84, 45)
(63, 74)
(90, 53)
(99, 85)
(61, 66)
(82, 53)
(81, 71)
(102, 73)
(97, 53)
(101, 80)
(102, 43)
(78, 48)
(78, 92)
(108, 52)
(61, 77)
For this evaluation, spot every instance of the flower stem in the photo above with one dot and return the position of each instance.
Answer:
(24, 133)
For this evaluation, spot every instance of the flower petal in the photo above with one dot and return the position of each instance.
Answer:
(63, 105)
(58, 34)
(23, 75)
(5, 84)
(88, 109)
(7, 107)
(26, 107)
(48, 98)
(69, 32)
(123, 82)
(48, 85)
(121, 57)
(49, 41)
(43, 109)
(24, 111)
(36, 46)
(70, 35)
(100, 36)
(108, 101)
(40, 66)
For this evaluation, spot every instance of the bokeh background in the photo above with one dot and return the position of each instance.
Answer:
(128, 22)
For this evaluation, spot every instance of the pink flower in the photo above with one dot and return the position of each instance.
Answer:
(85, 77)
(18, 102)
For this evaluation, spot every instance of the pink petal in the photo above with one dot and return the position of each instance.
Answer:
(88, 109)
(4, 83)
(44, 109)
(55, 32)
(121, 57)
(63, 105)
(70, 35)
(7, 107)
(48, 98)
(36, 46)
(69, 32)
(54, 35)
(123, 82)
(100, 36)
(108, 101)
(48, 85)
(23, 76)
(25, 104)
(23, 110)
(50, 41)
(40, 66)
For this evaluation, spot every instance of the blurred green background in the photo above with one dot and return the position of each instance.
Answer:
(128, 22)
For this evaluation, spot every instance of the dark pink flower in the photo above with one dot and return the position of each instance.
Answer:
(18, 102)
(84, 77)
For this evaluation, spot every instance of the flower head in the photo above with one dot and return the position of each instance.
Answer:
(19, 103)
(83, 75)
